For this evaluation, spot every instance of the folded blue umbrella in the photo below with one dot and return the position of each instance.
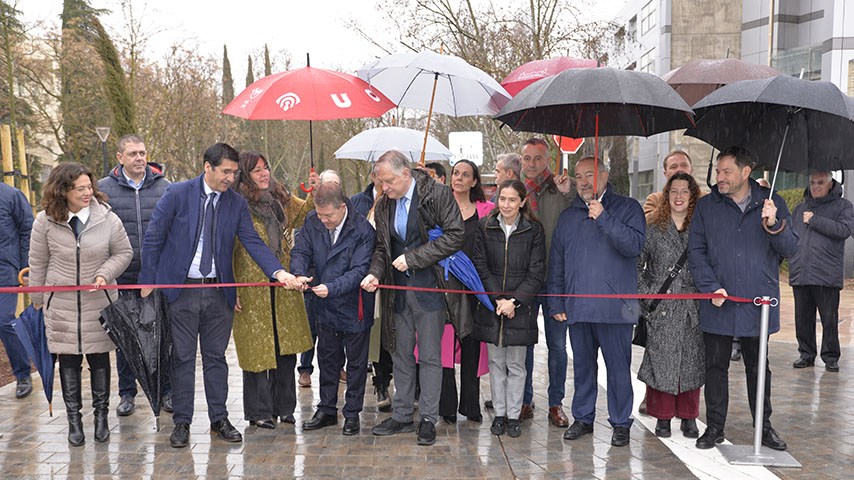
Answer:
(30, 330)
(460, 265)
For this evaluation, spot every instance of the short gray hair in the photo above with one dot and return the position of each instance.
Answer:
(510, 161)
(129, 138)
(600, 162)
(328, 194)
(397, 161)
(327, 173)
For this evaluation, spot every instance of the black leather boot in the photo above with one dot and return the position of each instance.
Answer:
(69, 378)
(100, 378)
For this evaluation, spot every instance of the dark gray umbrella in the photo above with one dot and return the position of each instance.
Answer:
(590, 102)
(785, 122)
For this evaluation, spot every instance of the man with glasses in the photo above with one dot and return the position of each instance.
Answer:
(190, 240)
(134, 186)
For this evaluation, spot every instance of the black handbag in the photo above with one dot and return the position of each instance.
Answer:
(640, 329)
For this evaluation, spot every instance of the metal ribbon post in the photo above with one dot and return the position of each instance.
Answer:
(756, 454)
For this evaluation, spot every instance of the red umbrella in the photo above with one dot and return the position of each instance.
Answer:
(539, 69)
(308, 94)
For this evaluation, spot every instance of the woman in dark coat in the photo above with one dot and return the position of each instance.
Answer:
(673, 366)
(510, 257)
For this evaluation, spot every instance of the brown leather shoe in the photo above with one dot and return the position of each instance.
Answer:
(304, 380)
(527, 412)
(557, 417)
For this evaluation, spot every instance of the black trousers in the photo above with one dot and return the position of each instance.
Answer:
(383, 369)
(332, 347)
(271, 393)
(718, 351)
(469, 404)
(808, 298)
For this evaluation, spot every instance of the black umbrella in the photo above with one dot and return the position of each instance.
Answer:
(140, 328)
(597, 101)
(785, 122)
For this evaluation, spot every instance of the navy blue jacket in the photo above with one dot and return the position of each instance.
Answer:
(729, 249)
(340, 267)
(364, 200)
(172, 237)
(16, 222)
(134, 208)
(597, 257)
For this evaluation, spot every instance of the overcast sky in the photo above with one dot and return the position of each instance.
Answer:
(318, 27)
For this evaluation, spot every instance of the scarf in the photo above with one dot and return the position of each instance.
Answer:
(534, 186)
(270, 211)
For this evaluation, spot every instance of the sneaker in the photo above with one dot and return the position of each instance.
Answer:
(426, 433)
(499, 426)
(390, 426)
(514, 428)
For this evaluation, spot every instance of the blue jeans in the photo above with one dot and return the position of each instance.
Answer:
(556, 343)
(18, 357)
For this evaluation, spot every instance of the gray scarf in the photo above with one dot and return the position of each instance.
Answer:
(271, 212)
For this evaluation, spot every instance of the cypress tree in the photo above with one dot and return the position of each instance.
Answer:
(268, 68)
(250, 77)
(115, 84)
(227, 82)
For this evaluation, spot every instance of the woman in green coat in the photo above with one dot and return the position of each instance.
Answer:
(270, 324)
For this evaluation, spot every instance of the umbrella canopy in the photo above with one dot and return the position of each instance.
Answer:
(460, 265)
(370, 144)
(140, 329)
(700, 77)
(460, 89)
(597, 101)
(798, 125)
(308, 94)
(29, 327)
(539, 69)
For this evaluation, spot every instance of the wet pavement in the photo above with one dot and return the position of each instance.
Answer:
(813, 412)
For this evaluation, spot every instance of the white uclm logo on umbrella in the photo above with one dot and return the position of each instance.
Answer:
(288, 101)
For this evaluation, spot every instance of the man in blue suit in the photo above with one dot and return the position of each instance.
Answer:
(595, 249)
(190, 240)
(337, 242)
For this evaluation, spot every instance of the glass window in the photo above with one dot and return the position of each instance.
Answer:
(647, 62)
(645, 183)
(648, 17)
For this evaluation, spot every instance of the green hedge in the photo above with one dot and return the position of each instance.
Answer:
(792, 197)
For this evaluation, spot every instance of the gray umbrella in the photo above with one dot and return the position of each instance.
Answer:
(626, 102)
(797, 125)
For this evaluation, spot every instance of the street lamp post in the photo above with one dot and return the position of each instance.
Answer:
(103, 133)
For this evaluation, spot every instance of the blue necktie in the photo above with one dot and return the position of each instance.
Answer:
(401, 217)
(207, 237)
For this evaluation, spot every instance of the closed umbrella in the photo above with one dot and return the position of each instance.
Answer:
(140, 328)
(461, 266)
(371, 144)
(29, 327)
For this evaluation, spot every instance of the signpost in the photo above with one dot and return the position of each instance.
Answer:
(466, 145)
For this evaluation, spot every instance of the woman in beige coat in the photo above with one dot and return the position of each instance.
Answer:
(77, 240)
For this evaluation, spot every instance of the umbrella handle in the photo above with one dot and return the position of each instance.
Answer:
(774, 232)
(302, 184)
(21, 275)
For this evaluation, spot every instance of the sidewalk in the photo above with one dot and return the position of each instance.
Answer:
(813, 411)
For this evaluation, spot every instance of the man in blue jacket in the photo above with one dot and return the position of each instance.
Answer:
(594, 250)
(190, 240)
(823, 221)
(731, 252)
(16, 221)
(337, 242)
(133, 188)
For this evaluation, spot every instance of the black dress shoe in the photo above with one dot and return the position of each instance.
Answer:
(268, 424)
(180, 435)
(689, 428)
(831, 366)
(25, 387)
(390, 426)
(226, 431)
(351, 426)
(771, 440)
(662, 428)
(167, 403)
(735, 355)
(499, 426)
(577, 430)
(710, 437)
(475, 418)
(426, 433)
(803, 363)
(126, 406)
(320, 420)
(449, 419)
(514, 428)
(621, 436)
(288, 419)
